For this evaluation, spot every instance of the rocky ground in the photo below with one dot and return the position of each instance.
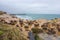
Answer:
(47, 29)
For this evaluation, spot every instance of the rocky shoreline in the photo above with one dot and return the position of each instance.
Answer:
(49, 27)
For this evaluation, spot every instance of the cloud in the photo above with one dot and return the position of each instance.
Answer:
(30, 6)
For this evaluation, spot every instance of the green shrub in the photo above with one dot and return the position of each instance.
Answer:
(1, 32)
(37, 37)
(37, 30)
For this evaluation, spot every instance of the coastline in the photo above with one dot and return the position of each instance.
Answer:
(39, 16)
(50, 27)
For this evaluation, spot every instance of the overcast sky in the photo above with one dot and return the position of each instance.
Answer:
(30, 6)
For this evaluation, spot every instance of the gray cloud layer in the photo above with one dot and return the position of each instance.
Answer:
(30, 6)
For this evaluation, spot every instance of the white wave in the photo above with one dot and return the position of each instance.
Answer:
(25, 17)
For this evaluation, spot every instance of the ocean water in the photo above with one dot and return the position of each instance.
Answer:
(39, 16)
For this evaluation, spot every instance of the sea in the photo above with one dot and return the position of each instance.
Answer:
(38, 16)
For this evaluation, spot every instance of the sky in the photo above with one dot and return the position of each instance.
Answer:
(31, 6)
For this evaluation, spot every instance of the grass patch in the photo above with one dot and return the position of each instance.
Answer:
(1, 32)
(37, 37)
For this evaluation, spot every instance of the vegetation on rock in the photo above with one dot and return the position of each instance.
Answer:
(36, 31)
(1, 12)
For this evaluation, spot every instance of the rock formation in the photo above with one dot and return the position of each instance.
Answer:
(18, 28)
